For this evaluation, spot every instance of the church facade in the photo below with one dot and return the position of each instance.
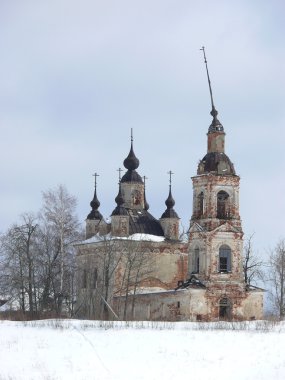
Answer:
(137, 267)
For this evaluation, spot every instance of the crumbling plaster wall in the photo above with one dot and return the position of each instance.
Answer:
(210, 185)
(181, 305)
(209, 244)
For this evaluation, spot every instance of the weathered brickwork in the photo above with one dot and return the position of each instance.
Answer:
(156, 276)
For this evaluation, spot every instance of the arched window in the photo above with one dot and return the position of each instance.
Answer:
(222, 205)
(224, 259)
(225, 309)
(196, 261)
(201, 203)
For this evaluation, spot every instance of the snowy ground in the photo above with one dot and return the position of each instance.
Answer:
(161, 351)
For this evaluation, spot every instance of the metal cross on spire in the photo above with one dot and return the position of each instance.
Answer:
(95, 175)
(209, 82)
(120, 171)
(170, 177)
(132, 139)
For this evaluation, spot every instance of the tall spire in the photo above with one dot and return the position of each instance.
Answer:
(95, 214)
(215, 125)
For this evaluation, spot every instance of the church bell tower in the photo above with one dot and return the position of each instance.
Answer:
(216, 236)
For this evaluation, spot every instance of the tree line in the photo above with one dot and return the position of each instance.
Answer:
(37, 259)
(39, 273)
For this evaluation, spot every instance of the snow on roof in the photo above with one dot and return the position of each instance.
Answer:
(153, 289)
(135, 237)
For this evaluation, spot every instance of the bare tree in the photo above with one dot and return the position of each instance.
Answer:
(252, 265)
(137, 265)
(58, 213)
(277, 277)
(18, 262)
(96, 278)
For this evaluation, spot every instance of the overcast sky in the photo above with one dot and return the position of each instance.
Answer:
(76, 76)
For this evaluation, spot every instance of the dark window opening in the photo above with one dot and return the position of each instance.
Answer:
(225, 309)
(201, 204)
(224, 259)
(222, 205)
(223, 264)
(198, 317)
(178, 304)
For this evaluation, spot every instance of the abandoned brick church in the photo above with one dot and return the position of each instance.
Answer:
(136, 267)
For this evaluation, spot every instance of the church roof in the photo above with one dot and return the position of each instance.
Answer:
(141, 221)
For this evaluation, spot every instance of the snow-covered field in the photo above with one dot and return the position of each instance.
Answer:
(73, 349)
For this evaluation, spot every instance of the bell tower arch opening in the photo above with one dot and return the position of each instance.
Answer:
(201, 204)
(223, 205)
(196, 260)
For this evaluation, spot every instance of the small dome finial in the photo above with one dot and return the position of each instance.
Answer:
(120, 209)
(170, 202)
(95, 214)
(119, 198)
(131, 162)
(120, 171)
(216, 124)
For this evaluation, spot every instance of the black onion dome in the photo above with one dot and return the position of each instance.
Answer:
(132, 176)
(170, 202)
(131, 162)
(217, 163)
(216, 125)
(119, 198)
(95, 214)
(119, 210)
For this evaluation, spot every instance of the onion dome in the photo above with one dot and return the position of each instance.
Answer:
(170, 202)
(131, 163)
(95, 214)
(119, 210)
(216, 163)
